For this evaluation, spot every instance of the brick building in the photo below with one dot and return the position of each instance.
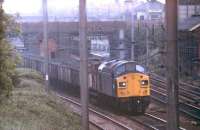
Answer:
(64, 40)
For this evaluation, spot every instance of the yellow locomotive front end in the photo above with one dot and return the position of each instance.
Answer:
(133, 88)
(125, 84)
(133, 85)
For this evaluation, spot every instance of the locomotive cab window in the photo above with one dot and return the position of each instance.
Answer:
(139, 68)
(130, 67)
(120, 70)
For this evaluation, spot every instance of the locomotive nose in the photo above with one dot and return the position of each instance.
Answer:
(133, 84)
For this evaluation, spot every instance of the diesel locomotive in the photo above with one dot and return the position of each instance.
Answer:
(123, 84)
(120, 83)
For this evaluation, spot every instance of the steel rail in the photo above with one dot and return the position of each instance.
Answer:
(195, 91)
(186, 108)
(184, 88)
(119, 124)
(191, 96)
(151, 122)
(97, 126)
(184, 96)
(188, 98)
(162, 79)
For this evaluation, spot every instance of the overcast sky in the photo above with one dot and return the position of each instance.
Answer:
(33, 7)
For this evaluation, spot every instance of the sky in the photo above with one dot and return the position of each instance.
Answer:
(33, 7)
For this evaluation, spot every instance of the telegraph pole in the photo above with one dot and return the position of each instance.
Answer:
(45, 41)
(172, 66)
(83, 63)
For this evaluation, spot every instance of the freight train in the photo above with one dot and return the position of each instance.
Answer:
(120, 83)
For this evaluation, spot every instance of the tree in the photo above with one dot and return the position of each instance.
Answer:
(7, 60)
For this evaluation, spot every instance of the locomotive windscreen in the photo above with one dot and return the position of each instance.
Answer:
(139, 68)
(128, 67)
(121, 69)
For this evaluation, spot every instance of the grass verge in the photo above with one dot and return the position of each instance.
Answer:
(31, 108)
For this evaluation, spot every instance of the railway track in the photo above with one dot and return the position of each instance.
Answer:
(185, 87)
(187, 108)
(99, 120)
(188, 98)
(151, 122)
(148, 121)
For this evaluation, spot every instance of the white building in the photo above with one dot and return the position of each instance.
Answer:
(150, 10)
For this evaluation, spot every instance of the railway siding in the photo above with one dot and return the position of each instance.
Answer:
(188, 96)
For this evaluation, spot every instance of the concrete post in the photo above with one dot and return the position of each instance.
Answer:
(45, 41)
(172, 66)
(83, 63)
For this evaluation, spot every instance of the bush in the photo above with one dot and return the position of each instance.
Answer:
(28, 74)
(7, 60)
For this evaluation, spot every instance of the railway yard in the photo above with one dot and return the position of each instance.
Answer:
(153, 119)
(105, 117)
